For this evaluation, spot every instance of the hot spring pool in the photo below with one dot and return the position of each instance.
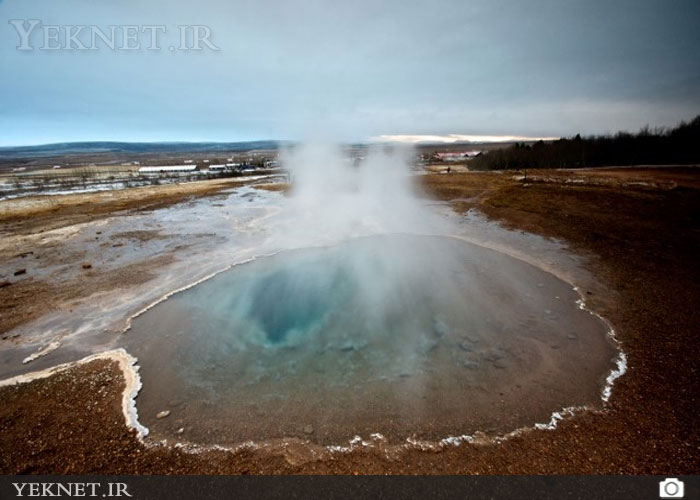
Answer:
(407, 336)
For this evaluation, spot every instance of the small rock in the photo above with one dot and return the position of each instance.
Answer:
(309, 429)
(19, 272)
(492, 357)
(118, 245)
(347, 346)
(571, 336)
(180, 430)
(465, 346)
(5, 283)
(87, 265)
(163, 414)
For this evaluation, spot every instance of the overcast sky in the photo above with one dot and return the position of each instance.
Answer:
(352, 70)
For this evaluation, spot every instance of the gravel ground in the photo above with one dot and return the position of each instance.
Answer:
(642, 241)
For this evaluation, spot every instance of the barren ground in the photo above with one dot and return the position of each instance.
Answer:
(641, 228)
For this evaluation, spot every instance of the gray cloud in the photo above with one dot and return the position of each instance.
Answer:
(289, 68)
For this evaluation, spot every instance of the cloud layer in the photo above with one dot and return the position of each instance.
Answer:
(294, 68)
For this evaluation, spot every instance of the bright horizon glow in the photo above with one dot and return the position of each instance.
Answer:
(453, 138)
(396, 138)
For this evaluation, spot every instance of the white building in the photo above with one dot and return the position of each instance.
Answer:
(168, 168)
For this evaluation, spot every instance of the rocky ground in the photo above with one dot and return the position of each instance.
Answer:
(40, 273)
(641, 231)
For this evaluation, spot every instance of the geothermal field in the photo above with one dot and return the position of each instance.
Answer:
(346, 307)
(453, 238)
(354, 320)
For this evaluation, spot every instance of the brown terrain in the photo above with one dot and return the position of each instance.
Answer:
(42, 213)
(640, 229)
(26, 299)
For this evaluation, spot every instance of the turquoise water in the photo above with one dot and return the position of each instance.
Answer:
(396, 335)
(287, 301)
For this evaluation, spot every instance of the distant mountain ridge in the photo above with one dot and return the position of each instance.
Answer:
(70, 148)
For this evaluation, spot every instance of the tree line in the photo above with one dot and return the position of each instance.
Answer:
(679, 145)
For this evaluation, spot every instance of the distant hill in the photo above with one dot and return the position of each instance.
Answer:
(78, 148)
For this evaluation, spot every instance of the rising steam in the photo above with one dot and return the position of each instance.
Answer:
(337, 195)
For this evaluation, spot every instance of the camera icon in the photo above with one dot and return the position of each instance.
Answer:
(671, 488)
